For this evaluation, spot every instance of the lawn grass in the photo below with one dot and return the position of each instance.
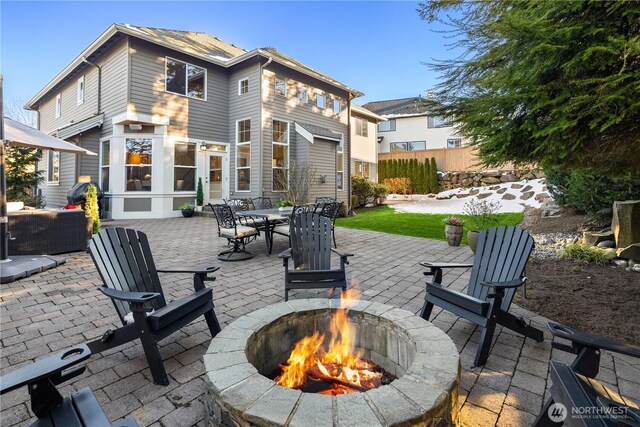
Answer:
(430, 226)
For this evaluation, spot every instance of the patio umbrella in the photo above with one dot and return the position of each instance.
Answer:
(18, 134)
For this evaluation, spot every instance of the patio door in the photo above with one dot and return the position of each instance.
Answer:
(217, 178)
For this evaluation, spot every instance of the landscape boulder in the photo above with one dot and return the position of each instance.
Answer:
(630, 252)
(626, 223)
(591, 238)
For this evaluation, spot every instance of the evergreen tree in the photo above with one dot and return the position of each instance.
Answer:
(415, 176)
(548, 82)
(433, 176)
(199, 194)
(424, 176)
(22, 174)
(91, 207)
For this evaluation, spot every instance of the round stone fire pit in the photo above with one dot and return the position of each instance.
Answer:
(422, 357)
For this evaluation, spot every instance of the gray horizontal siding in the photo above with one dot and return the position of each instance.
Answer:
(88, 165)
(56, 195)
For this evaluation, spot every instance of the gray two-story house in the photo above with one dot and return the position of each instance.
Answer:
(164, 108)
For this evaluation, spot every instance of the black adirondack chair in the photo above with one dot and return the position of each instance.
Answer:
(80, 408)
(575, 387)
(123, 259)
(498, 270)
(237, 230)
(310, 249)
(331, 211)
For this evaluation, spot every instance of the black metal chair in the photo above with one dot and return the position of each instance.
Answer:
(80, 408)
(310, 236)
(239, 204)
(283, 228)
(331, 210)
(323, 200)
(123, 259)
(262, 202)
(237, 230)
(575, 387)
(498, 270)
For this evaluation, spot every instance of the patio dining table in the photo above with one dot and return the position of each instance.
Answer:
(271, 218)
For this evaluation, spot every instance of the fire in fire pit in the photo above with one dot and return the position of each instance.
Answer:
(338, 369)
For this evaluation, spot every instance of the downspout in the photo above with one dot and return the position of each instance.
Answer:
(99, 82)
(347, 179)
(261, 166)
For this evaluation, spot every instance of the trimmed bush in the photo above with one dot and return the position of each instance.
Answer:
(91, 208)
(586, 254)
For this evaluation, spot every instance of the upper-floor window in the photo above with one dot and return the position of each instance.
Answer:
(281, 86)
(280, 157)
(58, 105)
(409, 146)
(243, 155)
(138, 163)
(362, 169)
(243, 86)
(362, 127)
(184, 170)
(185, 79)
(320, 101)
(389, 125)
(81, 90)
(337, 107)
(454, 142)
(439, 122)
(53, 172)
(303, 95)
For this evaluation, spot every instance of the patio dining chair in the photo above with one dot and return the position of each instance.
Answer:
(239, 204)
(283, 228)
(130, 278)
(237, 230)
(497, 271)
(322, 200)
(331, 211)
(310, 250)
(262, 202)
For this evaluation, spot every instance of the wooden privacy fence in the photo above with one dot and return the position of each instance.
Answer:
(447, 159)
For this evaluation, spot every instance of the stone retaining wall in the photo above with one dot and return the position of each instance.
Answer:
(450, 180)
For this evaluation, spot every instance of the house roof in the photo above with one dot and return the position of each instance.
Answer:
(355, 108)
(403, 107)
(196, 44)
(309, 131)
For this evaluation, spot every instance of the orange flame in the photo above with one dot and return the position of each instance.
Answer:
(339, 363)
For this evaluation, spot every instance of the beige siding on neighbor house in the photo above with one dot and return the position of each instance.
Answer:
(192, 118)
(289, 109)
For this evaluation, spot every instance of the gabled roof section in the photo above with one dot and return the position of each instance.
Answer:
(416, 106)
(355, 108)
(309, 131)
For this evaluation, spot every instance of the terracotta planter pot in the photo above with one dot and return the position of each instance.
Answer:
(472, 240)
(454, 234)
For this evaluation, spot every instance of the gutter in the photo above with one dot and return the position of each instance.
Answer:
(261, 165)
(85, 60)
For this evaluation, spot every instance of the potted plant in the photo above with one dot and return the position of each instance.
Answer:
(283, 204)
(199, 195)
(453, 230)
(481, 216)
(187, 210)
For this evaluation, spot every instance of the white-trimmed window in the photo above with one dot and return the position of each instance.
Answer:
(362, 169)
(184, 166)
(280, 86)
(105, 162)
(439, 122)
(80, 85)
(362, 127)
(337, 106)
(408, 146)
(53, 170)
(303, 94)
(185, 79)
(454, 143)
(138, 164)
(58, 105)
(340, 165)
(389, 125)
(243, 155)
(280, 156)
(243, 86)
(321, 101)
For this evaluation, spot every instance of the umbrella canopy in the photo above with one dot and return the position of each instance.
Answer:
(16, 133)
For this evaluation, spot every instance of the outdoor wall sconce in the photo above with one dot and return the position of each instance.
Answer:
(135, 126)
(203, 146)
(322, 179)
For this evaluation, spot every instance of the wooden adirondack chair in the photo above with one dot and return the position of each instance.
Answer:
(123, 259)
(310, 236)
(498, 270)
(81, 408)
(575, 387)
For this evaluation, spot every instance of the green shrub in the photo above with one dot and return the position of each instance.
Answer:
(199, 194)
(91, 208)
(586, 254)
(398, 185)
(362, 188)
(380, 191)
(589, 192)
(433, 176)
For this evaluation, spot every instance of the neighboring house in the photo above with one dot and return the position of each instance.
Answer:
(164, 108)
(410, 126)
(364, 145)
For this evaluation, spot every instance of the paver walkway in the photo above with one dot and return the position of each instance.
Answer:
(62, 307)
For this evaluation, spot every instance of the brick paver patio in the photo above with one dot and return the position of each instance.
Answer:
(62, 307)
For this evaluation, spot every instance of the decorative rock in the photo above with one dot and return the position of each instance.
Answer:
(444, 196)
(609, 253)
(502, 190)
(474, 192)
(483, 195)
(525, 189)
(626, 222)
(539, 174)
(630, 252)
(540, 197)
(620, 262)
(494, 187)
(489, 180)
(527, 195)
(636, 268)
(529, 176)
(461, 195)
(516, 186)
(606, 244)
(508, 196)
(590, 238)
(508, 177)
(492, 174)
